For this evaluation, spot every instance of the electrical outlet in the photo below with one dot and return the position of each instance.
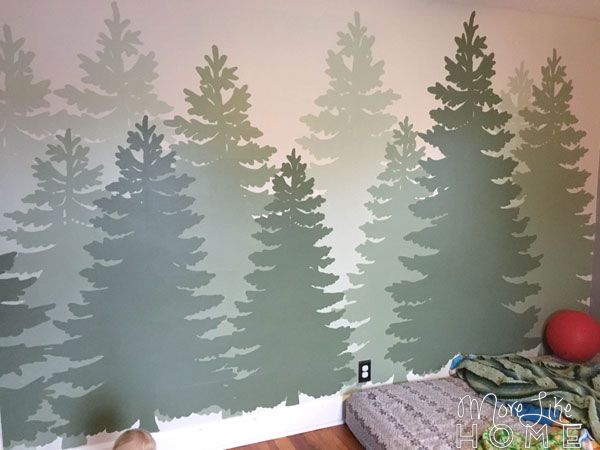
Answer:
(364, 371)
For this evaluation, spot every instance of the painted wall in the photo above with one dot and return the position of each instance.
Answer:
(222, 206)
(595, 296)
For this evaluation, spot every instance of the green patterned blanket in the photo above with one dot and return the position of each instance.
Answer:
(519, 379)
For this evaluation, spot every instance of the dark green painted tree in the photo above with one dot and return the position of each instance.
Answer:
(219, 149)
(348, 138)
(135, 330)
(55, 226)
(514, 100)
(472, 281)
(554, 194)
(117, 84)
(384, 243)
(292, 349)
(19, 403)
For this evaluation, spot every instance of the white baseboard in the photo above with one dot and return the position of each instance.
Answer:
(212, 432)
(260, 425)
(257, 426)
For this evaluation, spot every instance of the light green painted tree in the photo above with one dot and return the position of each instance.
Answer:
(18, 403)
(384, 242)
(348, 138)
(471, 281)
(288, 346)
(26, 123)
(51, 229)
(54, 224)
(554, 194)
(25, 119)
(219, 149)
(116, 88)
(515, 99)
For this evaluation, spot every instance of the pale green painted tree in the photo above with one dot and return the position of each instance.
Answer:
(26, 123)
(348, 137)
(219, 148)
(384, 243)
(25, 119)
(54, 224)
(515, 99)
(555, 199)
(116, 89)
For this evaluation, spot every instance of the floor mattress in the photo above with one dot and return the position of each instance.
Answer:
(424, 415)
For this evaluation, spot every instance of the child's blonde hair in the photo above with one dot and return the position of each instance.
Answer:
(141, 440)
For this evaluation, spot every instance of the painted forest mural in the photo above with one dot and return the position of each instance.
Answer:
(164, 256)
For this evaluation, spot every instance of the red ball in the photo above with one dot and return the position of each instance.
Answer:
(573, 335)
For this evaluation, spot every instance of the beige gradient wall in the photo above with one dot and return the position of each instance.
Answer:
(280, 49)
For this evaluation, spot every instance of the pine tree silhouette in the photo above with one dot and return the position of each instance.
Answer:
(384, 243)
(219, 149)
(55, 227)
(292, 348)
(117, 85)
(19, 403)
(348, 139)
(24, 116)
(514, 100)
(471, 283)
(137, 318)
(25, 121)
(554, 194)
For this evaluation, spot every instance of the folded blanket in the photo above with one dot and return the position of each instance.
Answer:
(543, 384)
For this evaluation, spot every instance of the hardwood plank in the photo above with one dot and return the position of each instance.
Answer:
(267, 445)
(302, 441)
(284, 444)
(346, 436)
(327, 439)
(333, 438)
(258, 446)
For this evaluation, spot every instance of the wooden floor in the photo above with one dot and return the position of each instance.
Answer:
(334, 438)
